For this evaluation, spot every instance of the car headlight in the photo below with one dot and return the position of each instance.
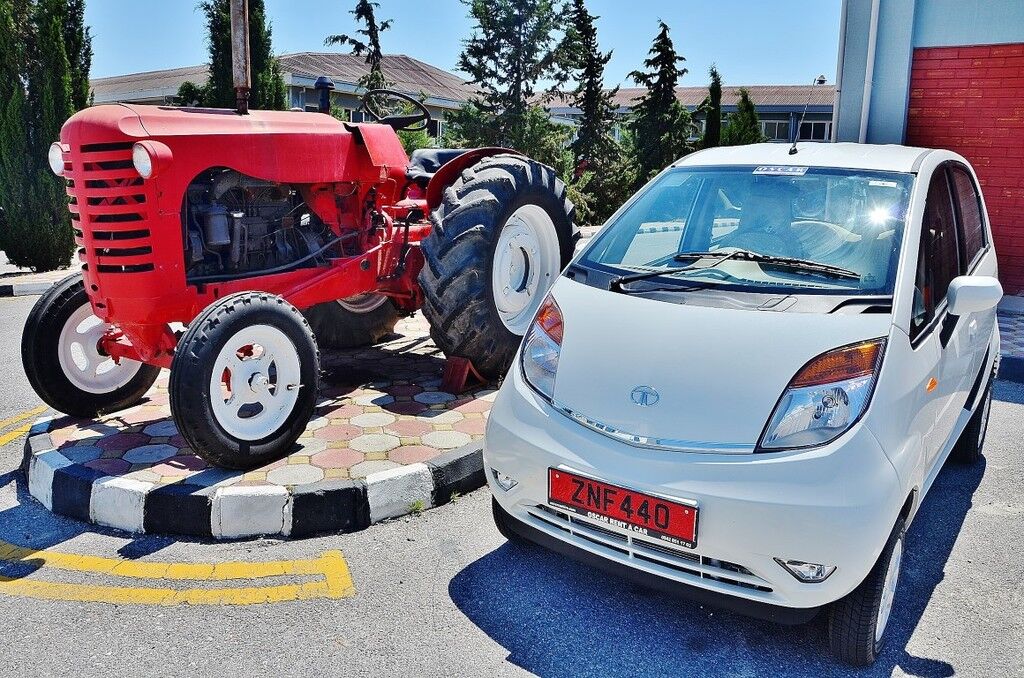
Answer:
(55, 156)
(142, 160)
(541, 349)
(825, 398)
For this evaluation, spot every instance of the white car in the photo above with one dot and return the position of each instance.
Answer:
(743, 387)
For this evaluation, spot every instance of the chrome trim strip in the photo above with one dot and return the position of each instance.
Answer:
(650, 442)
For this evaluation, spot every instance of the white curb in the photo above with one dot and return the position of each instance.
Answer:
(119, 502)
(248, 511)
(397, 491)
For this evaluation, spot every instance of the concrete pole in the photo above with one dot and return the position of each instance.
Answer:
(240, 74)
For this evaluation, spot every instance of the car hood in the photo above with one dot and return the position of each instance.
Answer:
(718, 373)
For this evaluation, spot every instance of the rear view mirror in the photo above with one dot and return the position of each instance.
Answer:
(973, 293)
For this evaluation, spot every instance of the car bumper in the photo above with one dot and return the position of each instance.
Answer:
(833, 505)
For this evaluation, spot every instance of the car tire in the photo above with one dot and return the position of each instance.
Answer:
(268, 374)
(362, 320)
(968, 448)
(58, 352)
(505, 219)
(857, 623)
(501, 519)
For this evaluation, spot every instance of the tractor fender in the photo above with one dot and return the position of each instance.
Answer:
(445, 175)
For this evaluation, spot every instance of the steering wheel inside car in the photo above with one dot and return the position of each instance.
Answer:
(412, 122)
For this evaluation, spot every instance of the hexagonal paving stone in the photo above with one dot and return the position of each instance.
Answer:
(308, 446)
(365, 468)
(410, 407)
(447, 440)
(409, 428)
(295, 474)
(122, 441)
(374, 442)
(475, 406)
(161, 428)
(114, 467)
(337, 458)
(412, 454)
(405, 389)
(338, 432)
(180, 465)
(378, 399)
(372, 419)
(471, 426)
(80, 454)
(442, 416)
(433, 397)
(149, 454)
(345, 411)
(317, 423)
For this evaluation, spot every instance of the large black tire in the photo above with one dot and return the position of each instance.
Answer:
(852, 620)
(459, 254)
(969, 446)
(193, 367)
(40, 347)
(338, 326)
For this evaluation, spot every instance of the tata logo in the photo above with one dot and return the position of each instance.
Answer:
(644, 396)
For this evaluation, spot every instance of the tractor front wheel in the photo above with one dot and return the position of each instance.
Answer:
(244, 380)
(500, 237)
(63, 361)
(362, 320)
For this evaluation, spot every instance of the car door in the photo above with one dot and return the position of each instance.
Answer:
(934, 334)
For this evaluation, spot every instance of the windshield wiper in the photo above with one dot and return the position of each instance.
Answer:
(796, 264)
(617, 284)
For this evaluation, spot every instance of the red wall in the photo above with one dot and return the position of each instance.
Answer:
(971, 100)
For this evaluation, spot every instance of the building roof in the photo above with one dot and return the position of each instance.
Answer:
(409, 75)
(888, 158)
(761, 95)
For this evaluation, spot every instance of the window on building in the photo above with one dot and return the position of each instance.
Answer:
(775, 130)
(938, 260)
(969, 206)
(816, 130)
(436, 129)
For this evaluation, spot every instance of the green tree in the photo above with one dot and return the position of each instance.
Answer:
(661, 125)
(37, 99)
(513, 47)
(713, 111)
(78, 45)
(267, 84)
(743, 127)
(368, 45)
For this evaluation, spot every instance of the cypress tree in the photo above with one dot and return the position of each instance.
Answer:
(78, 44)
(369, 45)
(594, 140)
(661, 125)
(267, 86)
(744, 127)
(713, 120)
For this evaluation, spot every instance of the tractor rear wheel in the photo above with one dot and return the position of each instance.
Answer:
(361, 320)
(63, 362)
(244, 380)
(500, 237)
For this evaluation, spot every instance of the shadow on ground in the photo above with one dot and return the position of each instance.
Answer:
(559, 618)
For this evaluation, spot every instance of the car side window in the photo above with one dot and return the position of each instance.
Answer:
(938, 258)
(969, 205)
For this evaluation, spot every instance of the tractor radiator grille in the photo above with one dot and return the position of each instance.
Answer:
(109, 209)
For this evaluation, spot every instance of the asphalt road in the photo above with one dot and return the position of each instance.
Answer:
(442, 594)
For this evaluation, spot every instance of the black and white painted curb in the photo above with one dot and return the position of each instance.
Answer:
(24, 289)
(229, 512)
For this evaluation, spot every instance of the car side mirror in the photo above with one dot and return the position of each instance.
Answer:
(973, 293)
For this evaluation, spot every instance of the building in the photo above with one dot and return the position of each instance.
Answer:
(779, 107)
(943, 73)
(443, 91)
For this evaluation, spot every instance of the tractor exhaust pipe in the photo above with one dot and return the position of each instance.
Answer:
(240, 73)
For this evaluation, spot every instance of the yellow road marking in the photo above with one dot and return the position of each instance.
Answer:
(16, 433)
(24, 415)
(336, 581)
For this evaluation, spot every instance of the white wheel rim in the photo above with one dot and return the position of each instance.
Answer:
(80, 358)
(526, 261)
(255, 382)
(892, 576)
(363, 303)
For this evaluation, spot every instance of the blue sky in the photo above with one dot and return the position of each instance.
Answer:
(752, 42)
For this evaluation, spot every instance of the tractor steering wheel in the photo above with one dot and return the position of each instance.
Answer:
(413, 122)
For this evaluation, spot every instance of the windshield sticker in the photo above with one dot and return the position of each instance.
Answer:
(785, 170)
(884, 184)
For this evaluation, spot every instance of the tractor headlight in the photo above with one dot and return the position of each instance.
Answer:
(825, 398)
(55, 156)
(142, 160)
(542, 347)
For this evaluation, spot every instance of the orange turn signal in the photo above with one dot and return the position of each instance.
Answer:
(846, 362)
(549, 317)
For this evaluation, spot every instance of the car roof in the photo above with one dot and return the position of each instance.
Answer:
(888, 157)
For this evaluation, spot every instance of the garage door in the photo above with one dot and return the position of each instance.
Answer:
(971, 100)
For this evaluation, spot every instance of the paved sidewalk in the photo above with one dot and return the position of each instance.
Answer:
(15, 282)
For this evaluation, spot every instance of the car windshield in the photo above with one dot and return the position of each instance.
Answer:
(822, 230)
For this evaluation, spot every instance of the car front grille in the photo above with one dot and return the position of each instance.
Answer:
(109, 208)
(684, 562)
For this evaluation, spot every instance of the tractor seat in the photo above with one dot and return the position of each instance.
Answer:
(424, 162)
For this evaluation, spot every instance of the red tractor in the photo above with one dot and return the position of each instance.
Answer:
(268, 234)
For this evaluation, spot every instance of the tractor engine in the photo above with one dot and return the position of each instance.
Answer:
(236, 225)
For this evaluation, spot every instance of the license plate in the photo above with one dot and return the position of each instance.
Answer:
(669, 521)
